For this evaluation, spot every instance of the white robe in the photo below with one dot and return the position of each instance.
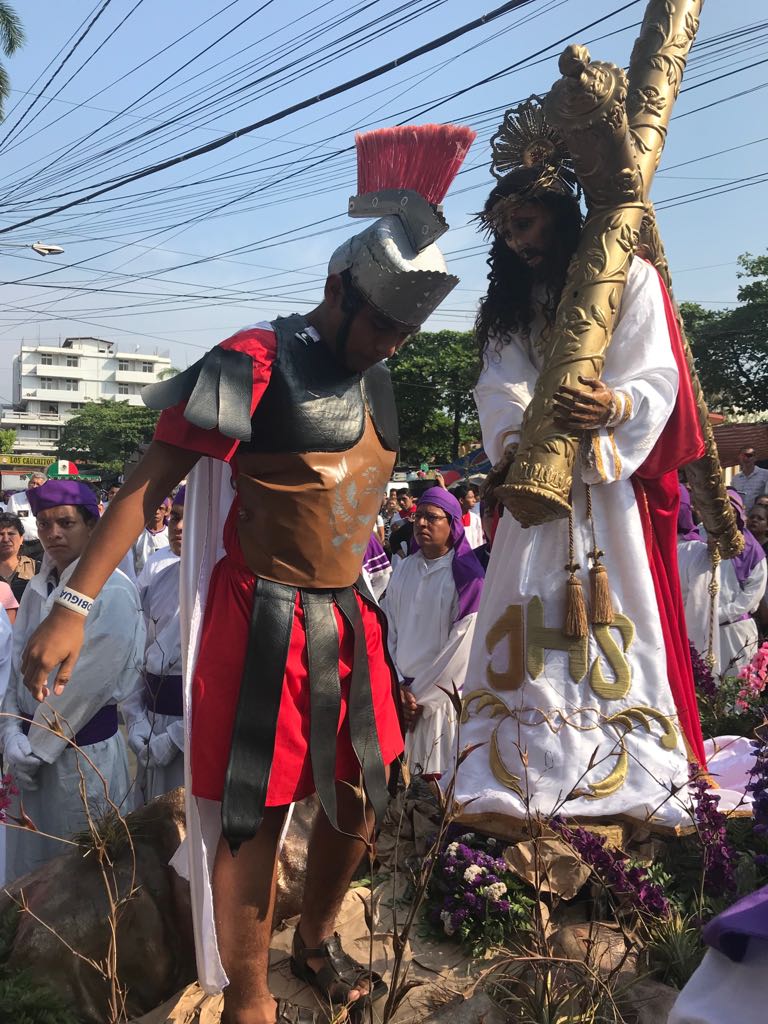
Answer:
(160, 604)
(146, 545)
(427, 646)
(474, 531)
(721, 991)
(738, 637)
(551, 742)
(695, 565)
(207, 503)
(156, 562)
(107, 671)
(18, 505)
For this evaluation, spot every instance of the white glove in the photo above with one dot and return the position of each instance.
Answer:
(159, 752)
(138, 735)
(21, 763)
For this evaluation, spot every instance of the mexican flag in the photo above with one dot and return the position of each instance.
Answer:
(61, 469)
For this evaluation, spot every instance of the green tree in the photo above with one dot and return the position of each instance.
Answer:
(731, 345)
(105, 433)
(11, 38)
(433, 377)
(7, 441)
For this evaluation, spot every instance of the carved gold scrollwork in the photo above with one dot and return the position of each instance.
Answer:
(615, 133)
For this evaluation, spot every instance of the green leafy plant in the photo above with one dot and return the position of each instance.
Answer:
(674, 949)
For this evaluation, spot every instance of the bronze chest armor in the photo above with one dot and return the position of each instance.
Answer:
(311, 479)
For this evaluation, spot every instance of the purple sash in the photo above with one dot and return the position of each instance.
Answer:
(164, 694)
(102, 726)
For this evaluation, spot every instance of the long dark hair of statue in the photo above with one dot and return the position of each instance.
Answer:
(507, 306)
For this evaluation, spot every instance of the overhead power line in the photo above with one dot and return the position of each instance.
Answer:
(311, 101)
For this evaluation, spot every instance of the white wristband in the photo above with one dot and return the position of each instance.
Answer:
(74, 601)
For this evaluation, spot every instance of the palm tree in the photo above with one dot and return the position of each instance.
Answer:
(11, 38)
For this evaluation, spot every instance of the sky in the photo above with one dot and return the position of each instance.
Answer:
(181, 258)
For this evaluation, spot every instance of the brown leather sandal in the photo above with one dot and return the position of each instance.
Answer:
(290, 1013)
(338, 976)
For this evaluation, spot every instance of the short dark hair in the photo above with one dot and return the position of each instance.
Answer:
(404, 492)
(6, 520)
(88, 517)
(462, 490)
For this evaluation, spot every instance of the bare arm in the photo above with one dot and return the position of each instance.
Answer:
(58, 639)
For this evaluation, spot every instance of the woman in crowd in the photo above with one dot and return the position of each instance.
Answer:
(15, 569)
(742, 588)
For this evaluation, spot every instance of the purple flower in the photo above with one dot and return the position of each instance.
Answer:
(612, 868)
(719, 857)
(702, 675)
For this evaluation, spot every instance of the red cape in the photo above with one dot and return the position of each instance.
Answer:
(658, 497)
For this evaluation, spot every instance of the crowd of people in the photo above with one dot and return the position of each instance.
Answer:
(419, 564)
(68, 759)
(728, 621)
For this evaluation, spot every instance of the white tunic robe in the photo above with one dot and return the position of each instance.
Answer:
(18, 505)
(738, 636)
(695, 578)
(160, 604)
(592, 733)
(107, 671)
(427, 646)
(146, 545)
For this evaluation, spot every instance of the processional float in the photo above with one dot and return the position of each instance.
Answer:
(614, 126)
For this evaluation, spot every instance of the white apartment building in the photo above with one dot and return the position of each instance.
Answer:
(52, 382)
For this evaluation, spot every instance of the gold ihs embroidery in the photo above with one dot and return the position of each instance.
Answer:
(542, 638)
(509, 627)
(615, 657)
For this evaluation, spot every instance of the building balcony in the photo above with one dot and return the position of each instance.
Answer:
(135, 376)
(45, 370)
(12, 418)
(130, 399)
(34, 446)
(50, 395)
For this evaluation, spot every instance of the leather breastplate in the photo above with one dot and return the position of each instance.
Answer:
(312, 478)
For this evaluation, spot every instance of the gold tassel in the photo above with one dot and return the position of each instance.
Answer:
(576, 622)
(600, 595)
(599, 587)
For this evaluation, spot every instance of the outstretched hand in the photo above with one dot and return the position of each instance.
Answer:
(55, 642)
(585, 408)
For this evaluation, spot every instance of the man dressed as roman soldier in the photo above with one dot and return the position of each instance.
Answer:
(287, 433)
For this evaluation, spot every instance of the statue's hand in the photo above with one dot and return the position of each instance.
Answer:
(496, 477)
(587, 408)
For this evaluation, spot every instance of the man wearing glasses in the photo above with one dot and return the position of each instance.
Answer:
(431, 606)
(751, 481)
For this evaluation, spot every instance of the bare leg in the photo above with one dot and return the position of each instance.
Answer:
(332, 859)
(244, 899)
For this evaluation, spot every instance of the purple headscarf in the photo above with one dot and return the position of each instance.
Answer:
(731, 931)
(62, 492)
(686, 528)
(468, 573)
(179, 496)
(753, 554)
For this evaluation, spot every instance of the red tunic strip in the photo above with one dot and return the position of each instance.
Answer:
(658, 498)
